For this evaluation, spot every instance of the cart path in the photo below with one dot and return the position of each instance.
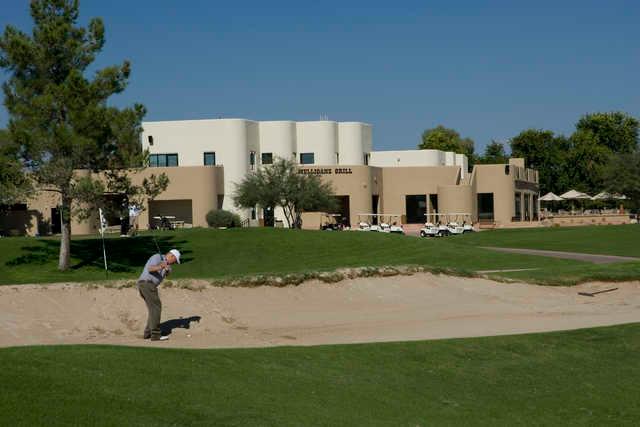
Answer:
(593, 258)
(398, 308)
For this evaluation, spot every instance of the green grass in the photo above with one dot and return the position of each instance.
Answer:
(569, 378)
(234, 253)
(610, 240)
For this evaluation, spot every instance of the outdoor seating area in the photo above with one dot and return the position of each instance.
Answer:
(577, 208)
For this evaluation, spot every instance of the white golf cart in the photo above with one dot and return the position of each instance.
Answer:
(447, 224)
(366, 223)
(462, 221)
(430, 228)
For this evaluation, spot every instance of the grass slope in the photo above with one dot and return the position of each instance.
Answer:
(569, 378)
(610, 240)
(231, 253)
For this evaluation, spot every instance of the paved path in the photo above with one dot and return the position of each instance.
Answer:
(594, 258)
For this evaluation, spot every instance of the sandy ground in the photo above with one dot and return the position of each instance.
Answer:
(421, 306)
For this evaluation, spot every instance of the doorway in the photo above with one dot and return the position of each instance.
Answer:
(268, 217)
(374, 208)
(343, 209)
(56, 227)
(416, 208)
(485, 207)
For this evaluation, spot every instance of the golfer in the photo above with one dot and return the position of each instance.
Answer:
(155, 270)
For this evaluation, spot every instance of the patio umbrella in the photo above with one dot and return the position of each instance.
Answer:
(603, 195)
(550, 197)
(575, 195)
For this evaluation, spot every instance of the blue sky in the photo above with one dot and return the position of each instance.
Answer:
(489, 69)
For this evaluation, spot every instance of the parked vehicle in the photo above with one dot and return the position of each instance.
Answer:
(429, 230)
(380, 223)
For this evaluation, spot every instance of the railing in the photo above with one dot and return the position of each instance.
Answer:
(523, 174)
(244, 223)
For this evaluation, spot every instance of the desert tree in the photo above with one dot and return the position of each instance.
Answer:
(63, 133)
(281, 184)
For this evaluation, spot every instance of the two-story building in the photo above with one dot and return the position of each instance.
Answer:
(206, 159)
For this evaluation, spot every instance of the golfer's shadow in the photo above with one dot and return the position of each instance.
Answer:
(184, 322)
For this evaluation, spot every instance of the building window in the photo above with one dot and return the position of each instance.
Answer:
(267, 158)
(252, 160)
(210, 159)
(337, 158)
(366, 159)
(150, 139)
(163, 160)
(307, 158)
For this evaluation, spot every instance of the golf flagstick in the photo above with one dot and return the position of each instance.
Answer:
(103, 223)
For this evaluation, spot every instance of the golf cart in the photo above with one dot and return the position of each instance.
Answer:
(467, 223)
(365, 223)
(394, 227)
(330, 222)
(431, 226)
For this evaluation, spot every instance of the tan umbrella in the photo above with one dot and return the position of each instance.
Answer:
(550, 197)
(575, 195)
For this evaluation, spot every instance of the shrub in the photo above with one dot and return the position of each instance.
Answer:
(222, 218)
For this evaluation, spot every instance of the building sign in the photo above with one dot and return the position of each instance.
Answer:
(325, 171)
(526, 185)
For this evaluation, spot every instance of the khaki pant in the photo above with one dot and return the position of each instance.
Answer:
(149, 293)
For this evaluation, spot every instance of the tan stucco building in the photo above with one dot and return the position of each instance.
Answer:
(204, 159)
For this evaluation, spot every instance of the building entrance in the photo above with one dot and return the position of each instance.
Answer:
(342, 209)
(485, 207)
(416, 208)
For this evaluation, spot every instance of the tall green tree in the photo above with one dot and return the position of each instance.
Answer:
(621, 177)
(494, 153)
(281, 184)
(617, 131)
(14, 185)
(60, 123)
(446, 139)
(586, 161)
(546, 152)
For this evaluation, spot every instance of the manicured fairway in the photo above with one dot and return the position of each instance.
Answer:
(232, 253)
(610, 240)
(569, 378)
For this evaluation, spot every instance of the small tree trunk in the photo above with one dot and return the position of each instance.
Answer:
(65, 239)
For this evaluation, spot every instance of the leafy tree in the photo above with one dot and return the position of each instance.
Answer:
(60, 124)
(621, 176)
(586, 161)
(546, 152)
(14, 185)
(281, 184)
(445, 139)
(494, 153)
(617, 131)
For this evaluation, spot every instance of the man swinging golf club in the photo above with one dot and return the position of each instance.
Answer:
(154, 272)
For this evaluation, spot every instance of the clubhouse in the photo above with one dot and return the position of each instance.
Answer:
(205, 159)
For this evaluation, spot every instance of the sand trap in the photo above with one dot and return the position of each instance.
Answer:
(422, 306)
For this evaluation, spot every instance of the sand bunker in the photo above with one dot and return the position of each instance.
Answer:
(421, 306)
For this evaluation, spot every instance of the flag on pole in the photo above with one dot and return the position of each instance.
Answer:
(103, 222)
(103, 225)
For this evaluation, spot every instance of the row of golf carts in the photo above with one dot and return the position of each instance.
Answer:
(382, 223)
(442, 225)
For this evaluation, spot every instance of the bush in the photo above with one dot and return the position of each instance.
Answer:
(222, 218)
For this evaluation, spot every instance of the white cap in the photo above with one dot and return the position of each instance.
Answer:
(176, 253)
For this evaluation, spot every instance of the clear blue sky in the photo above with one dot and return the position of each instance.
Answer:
(487, 69)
